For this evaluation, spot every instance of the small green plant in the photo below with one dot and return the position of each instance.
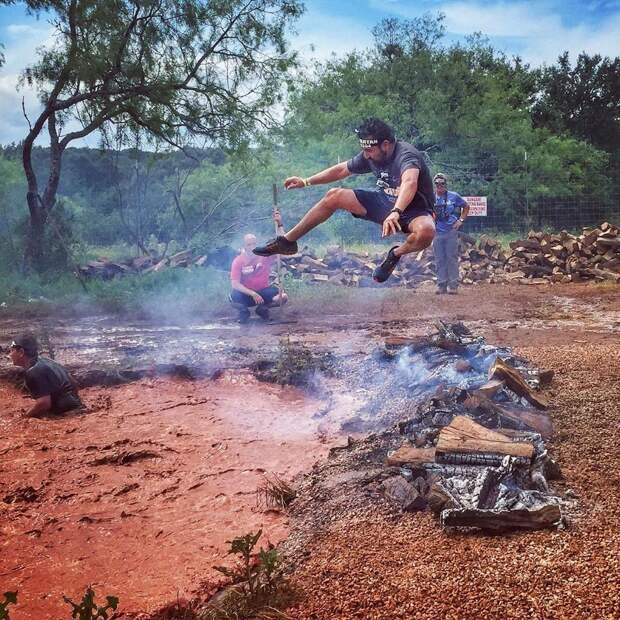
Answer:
(258, 589)
(87, 609)
(10, 598)
(253, 575)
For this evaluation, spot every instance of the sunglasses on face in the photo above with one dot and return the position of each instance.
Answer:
(440, 183)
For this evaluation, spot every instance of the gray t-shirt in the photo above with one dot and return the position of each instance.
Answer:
(48, 378)
(389, 175)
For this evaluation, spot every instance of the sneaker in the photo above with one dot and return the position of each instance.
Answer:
(442, 290)
(452, 291)
(384, 270)
(244, 316)
(262, 311)
(279, 245)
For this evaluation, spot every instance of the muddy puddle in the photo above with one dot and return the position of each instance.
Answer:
(138, 496)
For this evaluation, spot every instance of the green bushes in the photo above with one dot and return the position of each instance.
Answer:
(172, 293)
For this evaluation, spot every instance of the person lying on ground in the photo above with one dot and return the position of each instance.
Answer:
(451, 210)
(52, 387)
(401, 202)
(249, 277)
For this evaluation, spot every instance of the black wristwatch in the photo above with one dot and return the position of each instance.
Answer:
(396, 210)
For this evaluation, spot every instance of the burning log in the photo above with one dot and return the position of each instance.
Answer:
(508, 415)
(410, 455)
(401, 492)
(515, 382)
(463, 435)
(546, 516)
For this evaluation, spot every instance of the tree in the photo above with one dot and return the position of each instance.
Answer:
(168, 68)
(583, 100)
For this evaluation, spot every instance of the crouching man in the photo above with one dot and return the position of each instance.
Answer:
(249, 277)
(53, 389)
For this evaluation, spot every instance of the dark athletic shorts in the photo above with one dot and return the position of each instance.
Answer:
(267, 294)
(378, 206)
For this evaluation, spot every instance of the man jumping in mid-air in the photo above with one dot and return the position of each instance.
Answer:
(402, 202)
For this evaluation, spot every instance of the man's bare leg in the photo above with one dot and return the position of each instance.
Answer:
(335, 199)
(421, 235)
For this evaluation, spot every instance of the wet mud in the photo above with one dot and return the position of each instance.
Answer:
(139, 495)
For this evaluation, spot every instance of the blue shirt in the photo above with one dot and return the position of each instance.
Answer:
(448, 210)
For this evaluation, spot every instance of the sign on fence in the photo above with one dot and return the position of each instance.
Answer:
(477, 205)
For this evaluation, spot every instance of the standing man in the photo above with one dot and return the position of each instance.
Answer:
(53, 389)
(450, 211)
(249, 278)
(401, 202)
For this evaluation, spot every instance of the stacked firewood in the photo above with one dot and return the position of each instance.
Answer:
(541, 258)
(593, 255)
(479, 261)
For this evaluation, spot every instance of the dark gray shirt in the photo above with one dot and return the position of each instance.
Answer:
(389, 174)
(48, 378)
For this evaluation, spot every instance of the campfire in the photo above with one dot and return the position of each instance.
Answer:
(471, 445)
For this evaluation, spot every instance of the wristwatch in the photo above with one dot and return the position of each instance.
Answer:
(396, 210)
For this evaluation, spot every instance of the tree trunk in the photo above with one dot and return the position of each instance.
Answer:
(33, 253)
(39, 206)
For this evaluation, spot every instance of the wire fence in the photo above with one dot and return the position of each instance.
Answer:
(497, 210)
(549, 214)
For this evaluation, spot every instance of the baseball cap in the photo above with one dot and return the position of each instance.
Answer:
(28, 343)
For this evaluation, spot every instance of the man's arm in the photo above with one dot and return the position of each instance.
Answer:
(406, 192)
(237, 286)
(329, 175)
(42, 404)
(277, 218)
(464, 213)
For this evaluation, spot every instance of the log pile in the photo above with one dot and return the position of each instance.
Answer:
(479, 260)
(477, 459)
(542, 257)
(538, 259)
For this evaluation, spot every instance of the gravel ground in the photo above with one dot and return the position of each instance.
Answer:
(374, 564)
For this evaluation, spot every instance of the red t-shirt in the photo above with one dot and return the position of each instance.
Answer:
(252, 272)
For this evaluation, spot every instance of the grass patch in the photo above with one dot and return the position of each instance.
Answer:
(274, 492)
(168, 295)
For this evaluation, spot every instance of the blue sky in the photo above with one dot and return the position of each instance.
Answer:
(536, 30)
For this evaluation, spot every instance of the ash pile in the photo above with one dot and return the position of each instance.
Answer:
(474, 450)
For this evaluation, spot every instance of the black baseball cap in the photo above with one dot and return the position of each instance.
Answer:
(28, 343)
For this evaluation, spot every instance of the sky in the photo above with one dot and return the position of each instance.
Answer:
(536, 30)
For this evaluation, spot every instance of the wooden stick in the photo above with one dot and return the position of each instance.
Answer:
(279, 261)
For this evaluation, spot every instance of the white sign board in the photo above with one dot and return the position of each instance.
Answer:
(477, 205)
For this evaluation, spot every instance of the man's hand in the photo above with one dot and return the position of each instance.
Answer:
(277, 217)
(294, 183)
(258, 299)
(391, 224)
(457, 224)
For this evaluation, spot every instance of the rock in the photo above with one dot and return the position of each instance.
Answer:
(399, 491)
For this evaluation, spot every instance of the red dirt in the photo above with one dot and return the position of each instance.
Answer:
(154, 526)
(149, 528)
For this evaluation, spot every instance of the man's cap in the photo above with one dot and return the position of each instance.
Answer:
(440, 175)
(28, 343)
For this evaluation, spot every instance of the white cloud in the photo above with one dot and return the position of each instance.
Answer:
(534, 30)
(23, 40)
